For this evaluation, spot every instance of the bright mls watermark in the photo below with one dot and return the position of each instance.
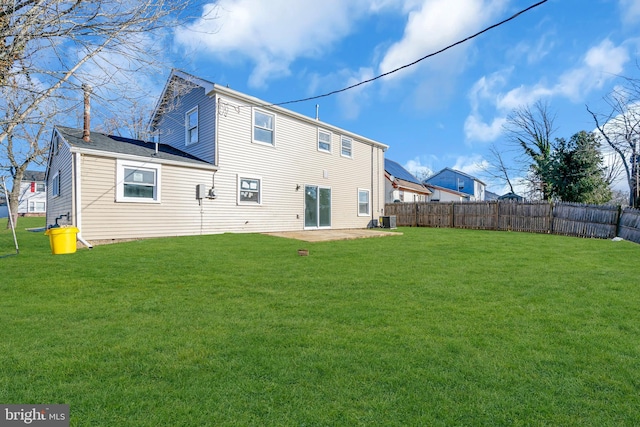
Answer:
(34, 415)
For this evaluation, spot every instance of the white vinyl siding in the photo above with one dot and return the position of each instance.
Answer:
(264, 127)
(191, 126)
(137, 182)
(324, 141)
(346, 147)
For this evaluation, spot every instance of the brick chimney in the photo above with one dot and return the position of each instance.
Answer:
(86, 132)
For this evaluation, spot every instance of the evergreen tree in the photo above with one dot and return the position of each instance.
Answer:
(575, 170)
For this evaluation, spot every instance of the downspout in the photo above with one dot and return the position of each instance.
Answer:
(78, 212)
(372, 192)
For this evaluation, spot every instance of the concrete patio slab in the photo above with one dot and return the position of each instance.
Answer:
(328, 235)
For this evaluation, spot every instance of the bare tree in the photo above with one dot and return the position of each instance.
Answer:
(620, 129)
(497, 168)
(530, 131)
(49, 48)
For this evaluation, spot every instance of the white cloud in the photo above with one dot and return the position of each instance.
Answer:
(630, 11)
(472, 165)
(434, 24)
(485, 91)
(418, 170)
(477, 130)
(272, 34)
(600, 64)
(352, 101)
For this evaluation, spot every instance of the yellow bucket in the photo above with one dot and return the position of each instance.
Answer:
(62, 240)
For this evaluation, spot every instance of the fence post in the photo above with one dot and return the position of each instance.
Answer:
(618, 220)
(453, 215)
(551, 217)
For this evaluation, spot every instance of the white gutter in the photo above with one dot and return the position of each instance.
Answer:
(78, 212)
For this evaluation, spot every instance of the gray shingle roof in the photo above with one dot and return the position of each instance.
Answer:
(128, 146)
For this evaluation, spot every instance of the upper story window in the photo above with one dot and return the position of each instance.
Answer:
(346, 147)
(40, 187)
(137, 182)
(191, 125)
(324, 141)
(263, 127)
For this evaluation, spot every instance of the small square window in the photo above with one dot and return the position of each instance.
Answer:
(346, 147)
(249, 190)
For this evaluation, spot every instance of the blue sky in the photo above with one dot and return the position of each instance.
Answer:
(445, 111)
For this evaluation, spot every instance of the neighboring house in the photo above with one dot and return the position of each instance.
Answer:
(401, 186)
(33, 194)
(459, 182)
(222, 161)
(441, 194)
(511, 197)
(4, 210)
(490, 196)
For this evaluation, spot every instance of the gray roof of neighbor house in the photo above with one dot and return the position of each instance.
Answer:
(30, 175)
(488, 195)
(120, 145)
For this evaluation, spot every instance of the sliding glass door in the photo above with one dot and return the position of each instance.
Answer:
(317, 207)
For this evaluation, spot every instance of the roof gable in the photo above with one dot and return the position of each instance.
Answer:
(178, 82)
(454, 171)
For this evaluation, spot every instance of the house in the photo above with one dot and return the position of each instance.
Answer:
(511, 197)
(4, 209)
(33, 195)
(221, 161)
(441, 194)
(490, 196)
(401, 186)
(32, 199)
(459, 182)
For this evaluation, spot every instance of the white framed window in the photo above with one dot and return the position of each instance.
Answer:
(37, 206)
(40, 187)
(364, 205)
(191, 126)
(55, 184)
(137, 182)
(346, 147)
(324, 141)
(249, 190)
(264, 126)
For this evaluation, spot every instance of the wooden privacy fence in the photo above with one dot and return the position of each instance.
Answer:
(570, 219)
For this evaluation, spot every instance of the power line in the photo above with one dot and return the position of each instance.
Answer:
(414, 62)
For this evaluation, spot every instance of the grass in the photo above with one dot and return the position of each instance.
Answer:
(434, 327)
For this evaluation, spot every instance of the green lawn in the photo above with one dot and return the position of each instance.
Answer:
(434, 327)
